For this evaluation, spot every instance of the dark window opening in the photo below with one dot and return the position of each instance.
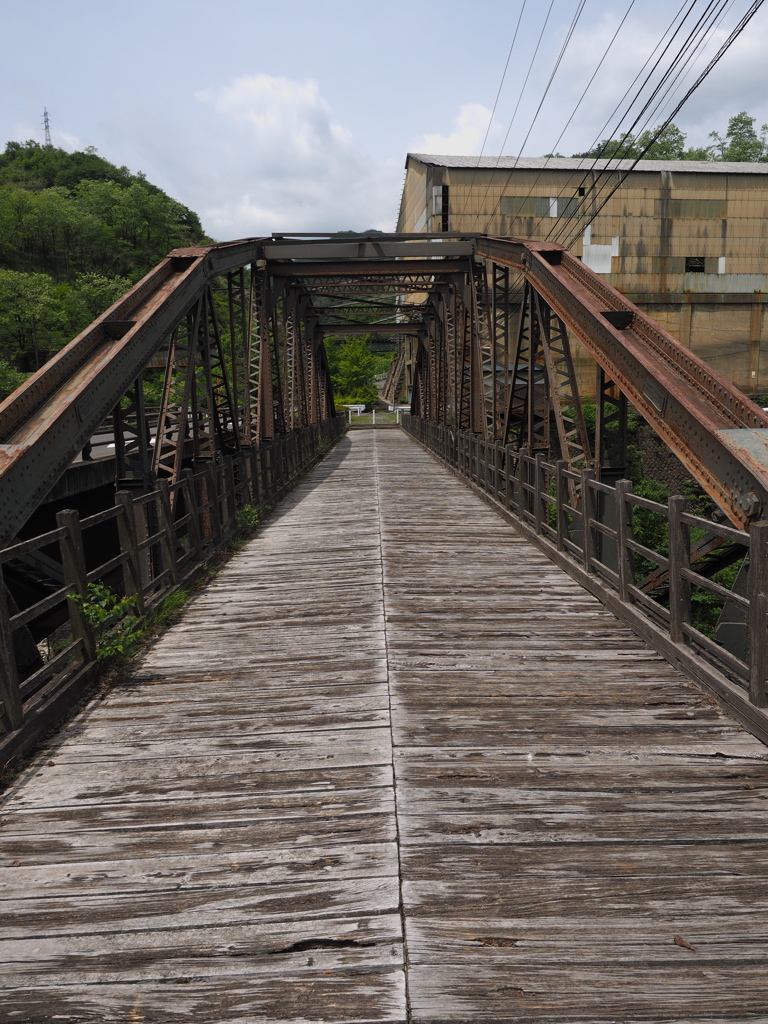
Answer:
(694, 264)
(582, 191)
(444, 211)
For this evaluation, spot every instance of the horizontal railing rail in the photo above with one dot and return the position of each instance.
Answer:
(591, 530)
(155, 542)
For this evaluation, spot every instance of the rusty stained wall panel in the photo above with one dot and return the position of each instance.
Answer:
(661, 215)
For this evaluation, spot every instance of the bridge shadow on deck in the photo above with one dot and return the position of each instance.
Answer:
(391, 765)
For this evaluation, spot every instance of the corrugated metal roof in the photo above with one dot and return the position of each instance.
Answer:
(537, 163)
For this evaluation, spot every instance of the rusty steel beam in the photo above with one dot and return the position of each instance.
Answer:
(370, 249)
(46, 422)
(716, 432)
(404, 328)
(350, 268)
(463, 295)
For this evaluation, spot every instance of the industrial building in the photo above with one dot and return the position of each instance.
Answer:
(684, 240)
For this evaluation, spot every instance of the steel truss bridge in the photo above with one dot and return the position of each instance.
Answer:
(238, 330)
(218, 355)
(392, 720)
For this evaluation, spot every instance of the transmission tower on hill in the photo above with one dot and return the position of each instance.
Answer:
(47, 127)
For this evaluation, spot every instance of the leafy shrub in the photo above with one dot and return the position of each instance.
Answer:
(108, 615)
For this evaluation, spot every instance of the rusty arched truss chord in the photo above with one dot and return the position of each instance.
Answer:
(238, 353)
(519, 383)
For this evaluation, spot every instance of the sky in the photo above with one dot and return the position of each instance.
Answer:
(298, 116)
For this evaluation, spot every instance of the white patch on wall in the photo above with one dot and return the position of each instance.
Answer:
(725, 283)
(598, 257)
(553, 207)
(421, 223)
(721, 264)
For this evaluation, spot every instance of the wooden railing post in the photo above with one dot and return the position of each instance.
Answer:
(538, 510)
(623, 532)
(168, 542)
(10, 693)
(587, 514)
(522, 461)
(758, 613)
(191, 506)
(229, 483)
(509, 479)
(73, 564)
(561, 492)
(679, 558)
(126, 531)
(212, 496)
(267, 470)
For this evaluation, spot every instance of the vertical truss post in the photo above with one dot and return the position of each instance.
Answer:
(131, 431)
(238, 332)
(610, 430)
(276, 382)
(562, 386)
(527, 418)
(452, 355)
(501, 297)
(179, 397)
(467, 363)
(484, 363)
(289, 358)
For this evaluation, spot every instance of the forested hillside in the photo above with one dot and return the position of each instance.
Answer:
(75, 232)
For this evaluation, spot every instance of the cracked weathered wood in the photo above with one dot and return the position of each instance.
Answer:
(388, 702)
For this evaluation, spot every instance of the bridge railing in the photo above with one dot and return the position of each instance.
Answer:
(591, 530)
(155, 543)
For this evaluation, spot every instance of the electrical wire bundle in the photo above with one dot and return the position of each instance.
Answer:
(652, 91)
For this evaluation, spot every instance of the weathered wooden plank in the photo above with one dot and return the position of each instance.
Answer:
(277, 834)
(389, 704)
(566, 803)
(138, 782)
(656, 992)
(39, 923)
(626, 939)
(312, 995)
(255, 866)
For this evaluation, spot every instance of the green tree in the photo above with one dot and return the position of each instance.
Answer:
(741, 142)
(90, 295)
(33, 320)
(353, 369)
(670, 145)
(10, 378)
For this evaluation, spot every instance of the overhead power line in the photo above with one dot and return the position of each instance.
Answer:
(736, 32)
(495, 104)
(563, 48)
(665, 46)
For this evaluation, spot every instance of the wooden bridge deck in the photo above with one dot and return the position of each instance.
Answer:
(392, 765)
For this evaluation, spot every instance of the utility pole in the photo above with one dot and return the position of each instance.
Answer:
(47, 127)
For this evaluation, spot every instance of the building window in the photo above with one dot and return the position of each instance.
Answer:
(538, 206)
(440, 205)
(694, 265)
(582, 191)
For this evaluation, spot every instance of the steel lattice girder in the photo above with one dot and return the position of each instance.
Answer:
(718, 434)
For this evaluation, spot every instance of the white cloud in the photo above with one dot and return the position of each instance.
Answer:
(467, 137)
(65, 140)
(275, 159)
(24, 130)
(738, 82)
